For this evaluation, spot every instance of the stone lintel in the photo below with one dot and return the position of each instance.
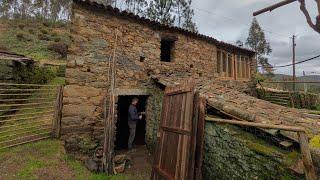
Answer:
(132, 92)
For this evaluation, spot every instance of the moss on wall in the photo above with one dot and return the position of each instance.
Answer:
(231, 153)
(154, 110)
(315, 142)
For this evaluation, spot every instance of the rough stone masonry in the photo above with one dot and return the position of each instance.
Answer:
(95, 31)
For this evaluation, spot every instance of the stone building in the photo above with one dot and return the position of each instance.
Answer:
(150, 56)
(143, 49)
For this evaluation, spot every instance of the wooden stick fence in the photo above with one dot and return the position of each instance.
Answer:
(303, 140)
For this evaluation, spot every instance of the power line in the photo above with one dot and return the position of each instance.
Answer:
(299, 62)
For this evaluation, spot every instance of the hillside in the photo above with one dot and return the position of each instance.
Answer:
(43, 41)
(282, 77)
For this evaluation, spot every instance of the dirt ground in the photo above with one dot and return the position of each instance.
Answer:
(141, 162)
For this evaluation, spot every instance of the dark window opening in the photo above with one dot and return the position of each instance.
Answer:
(166, 50)
(122, 132)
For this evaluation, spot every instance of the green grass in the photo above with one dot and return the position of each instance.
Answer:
(32, 160)
(26, 40)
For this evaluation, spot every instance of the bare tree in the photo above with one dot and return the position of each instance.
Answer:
(314, 25)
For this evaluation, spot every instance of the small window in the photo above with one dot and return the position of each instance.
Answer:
(166, 50)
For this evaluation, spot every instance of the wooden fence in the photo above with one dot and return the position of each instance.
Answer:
(28, 113)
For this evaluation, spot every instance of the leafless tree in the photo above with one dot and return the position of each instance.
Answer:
(315, 26)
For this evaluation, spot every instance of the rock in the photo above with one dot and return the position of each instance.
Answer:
(81, 91)
(120, 168)
(298, 167)
(78, 110)
(91, 165)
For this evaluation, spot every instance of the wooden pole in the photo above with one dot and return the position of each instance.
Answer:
(200, 138)
(294, 61)
(273, 7)
(56, 125)
(259, 125)
(306, 157)
(109, 122)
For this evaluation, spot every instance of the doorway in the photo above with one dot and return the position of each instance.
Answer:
(122, 132)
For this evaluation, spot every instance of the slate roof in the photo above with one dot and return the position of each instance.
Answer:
(154, 24)
(248, 108)
(5, 55)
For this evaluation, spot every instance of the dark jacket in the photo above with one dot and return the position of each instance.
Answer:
(133, 113)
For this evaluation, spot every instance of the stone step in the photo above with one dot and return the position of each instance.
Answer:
(275, 97)
(279, 103)
(278, 100)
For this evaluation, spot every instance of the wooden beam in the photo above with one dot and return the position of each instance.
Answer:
(310, 82)
(273, 7)
(306, 157)
(258, 125)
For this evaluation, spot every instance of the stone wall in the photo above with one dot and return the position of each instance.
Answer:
(95, 34)
(232, 153)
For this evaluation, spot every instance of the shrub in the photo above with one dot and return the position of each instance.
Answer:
(21, 36)
(33, 74)
(21, 26)
(3, 48)
(31, 31)
(43, 31)
(60, 48)
(44, 37)
(46, 24)
(57, 39)
(54, 33)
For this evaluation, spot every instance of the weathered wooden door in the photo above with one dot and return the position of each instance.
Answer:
(175, 152)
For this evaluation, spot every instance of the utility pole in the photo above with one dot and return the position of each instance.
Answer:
(294, 61)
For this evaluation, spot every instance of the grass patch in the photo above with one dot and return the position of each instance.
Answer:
(32, 38)
(30, 160)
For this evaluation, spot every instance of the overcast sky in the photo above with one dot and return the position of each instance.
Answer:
(229, 21)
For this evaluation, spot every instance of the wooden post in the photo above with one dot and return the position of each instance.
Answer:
(56, 125)
(200, 138)
(306, 157)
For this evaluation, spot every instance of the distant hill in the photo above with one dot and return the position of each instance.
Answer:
(282, 77)
(315, 88)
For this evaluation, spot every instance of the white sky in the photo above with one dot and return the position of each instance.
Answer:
(229, 21)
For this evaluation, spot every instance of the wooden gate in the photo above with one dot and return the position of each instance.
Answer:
(175, 152)
(28, 113)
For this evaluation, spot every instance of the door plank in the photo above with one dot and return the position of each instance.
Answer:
(176, 143)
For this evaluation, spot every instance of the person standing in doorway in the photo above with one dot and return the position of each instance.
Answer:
(133, 118)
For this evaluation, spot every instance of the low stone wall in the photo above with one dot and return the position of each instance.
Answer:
(231, 153)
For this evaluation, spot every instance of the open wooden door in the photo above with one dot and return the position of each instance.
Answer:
(175, 152)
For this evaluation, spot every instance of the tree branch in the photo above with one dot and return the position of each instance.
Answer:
(303, 8)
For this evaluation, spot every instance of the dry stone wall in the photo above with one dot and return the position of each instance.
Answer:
(96, 36)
